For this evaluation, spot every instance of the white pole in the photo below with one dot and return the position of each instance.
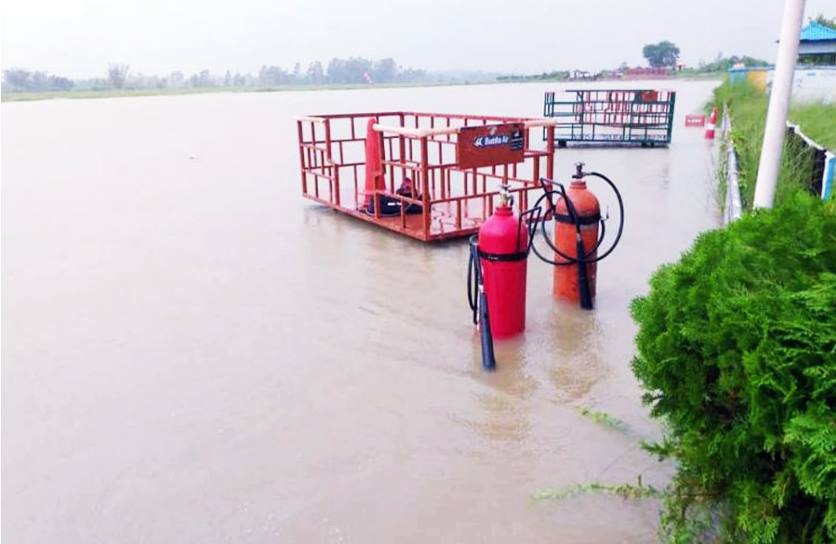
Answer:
(779, 103)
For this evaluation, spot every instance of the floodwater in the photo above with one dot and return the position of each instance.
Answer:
(194, 353)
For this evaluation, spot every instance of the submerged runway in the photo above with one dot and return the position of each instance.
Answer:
(193, 353)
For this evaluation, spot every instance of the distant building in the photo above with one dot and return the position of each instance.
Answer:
(815, 73)
(819, 42)
(580, 74)
(648, 73)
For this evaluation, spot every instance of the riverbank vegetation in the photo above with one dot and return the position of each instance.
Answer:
(626, 491)
(350, 73)
(119, 80)
(747, 107)
(736, 353)
(118, 93)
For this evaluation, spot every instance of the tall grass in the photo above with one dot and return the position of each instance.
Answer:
(818, 121)
(747, 107)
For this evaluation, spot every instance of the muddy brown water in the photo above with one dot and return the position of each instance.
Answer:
(193, 353)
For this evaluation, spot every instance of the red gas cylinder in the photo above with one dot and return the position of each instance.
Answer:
(588, 212)
(502, 251)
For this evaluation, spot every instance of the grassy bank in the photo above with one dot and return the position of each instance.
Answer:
(118, 93)
(747, 106)
(818, 121)
(110, 93)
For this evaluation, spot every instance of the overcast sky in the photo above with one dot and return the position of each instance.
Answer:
(79, 38)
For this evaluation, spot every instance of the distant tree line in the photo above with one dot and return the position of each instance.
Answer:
(352, 70)
(821, 19)
(17, 79)
(722, 64)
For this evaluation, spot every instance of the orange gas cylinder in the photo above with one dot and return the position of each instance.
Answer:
(585, 205)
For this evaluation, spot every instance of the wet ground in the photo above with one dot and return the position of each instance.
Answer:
(193, 353)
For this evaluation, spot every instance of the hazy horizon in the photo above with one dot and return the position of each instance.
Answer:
(78, 38)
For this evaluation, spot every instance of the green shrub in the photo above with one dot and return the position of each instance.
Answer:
(737, 352)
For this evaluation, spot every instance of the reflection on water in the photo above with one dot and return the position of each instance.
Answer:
(194, 353)
(504, 414)
(578, 361)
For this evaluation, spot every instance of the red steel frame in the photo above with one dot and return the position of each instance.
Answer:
(421, 146)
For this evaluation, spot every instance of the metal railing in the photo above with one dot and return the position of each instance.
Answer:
(612, 116)
(821, 183)
(422, 147)
(733, 207)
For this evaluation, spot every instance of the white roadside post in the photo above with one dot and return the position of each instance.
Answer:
(779, 103)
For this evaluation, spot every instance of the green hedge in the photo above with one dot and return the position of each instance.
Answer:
(737, 353)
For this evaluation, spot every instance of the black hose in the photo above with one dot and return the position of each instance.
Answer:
(587, 256)
(476, 296)
(582, 257)
(585, 290)
(478, 301)
(488, 358)
(568, 259)
(472, 281)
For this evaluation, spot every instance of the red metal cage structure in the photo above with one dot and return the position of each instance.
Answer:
(455, 192)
